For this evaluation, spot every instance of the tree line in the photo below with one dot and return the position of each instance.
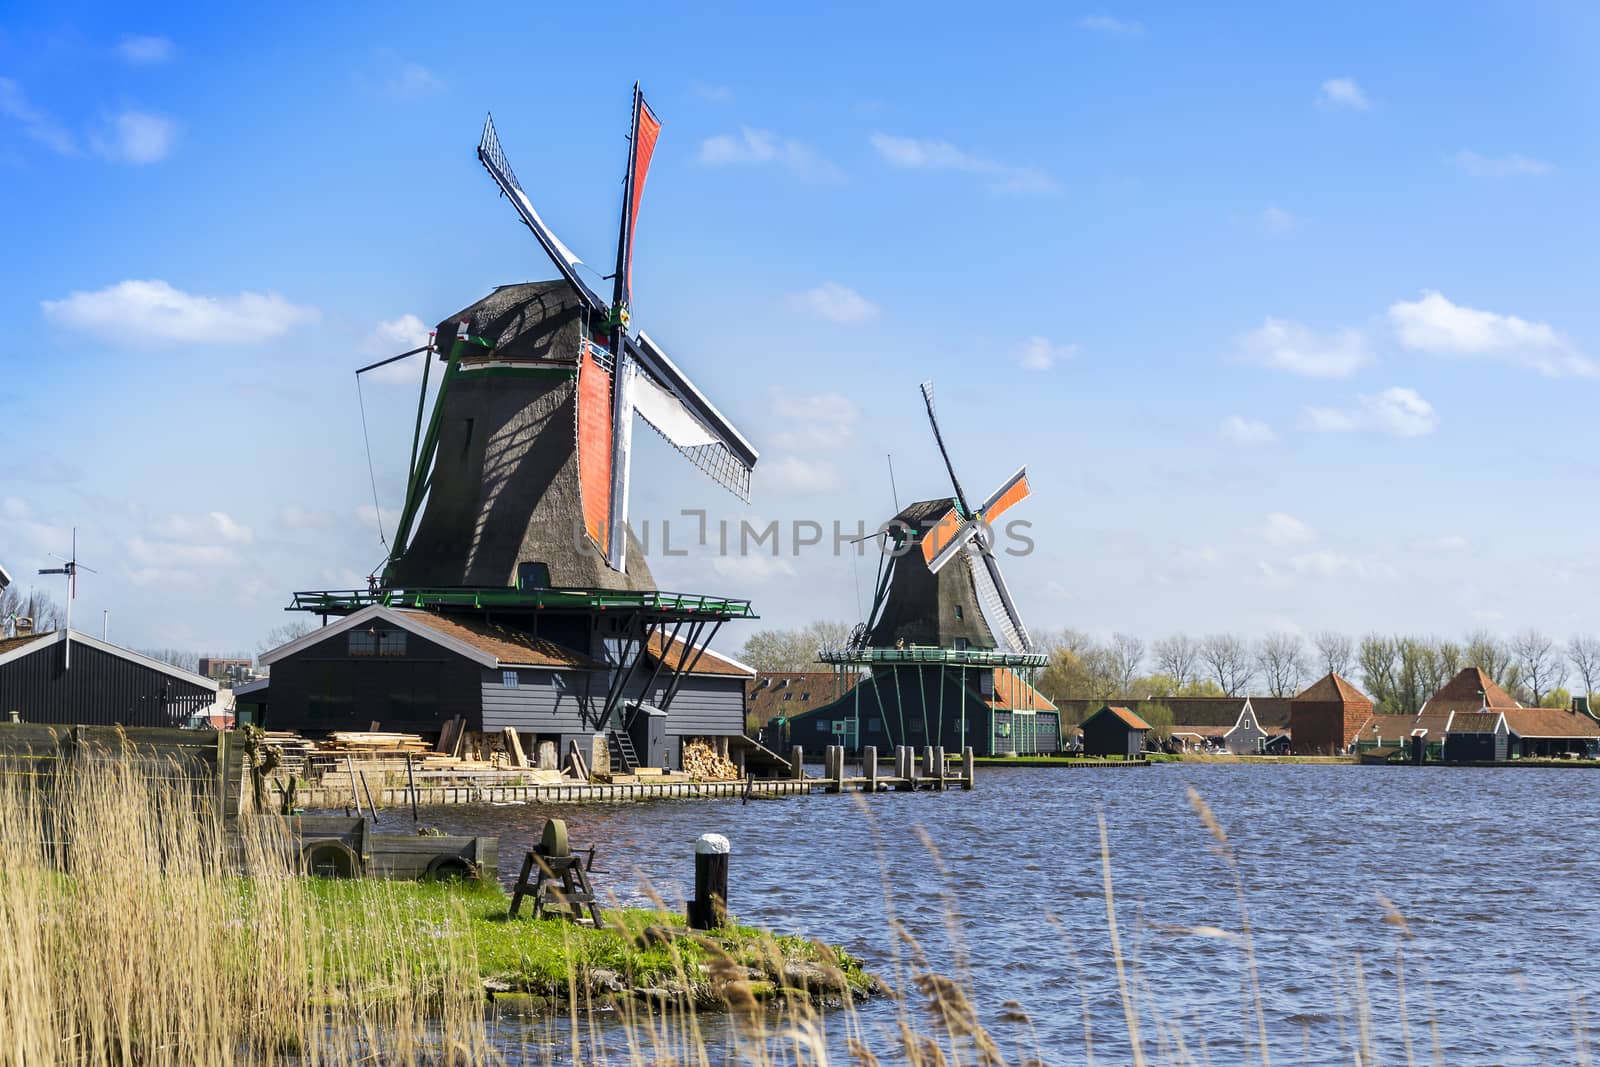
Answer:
(42, 608)
(1398, 671)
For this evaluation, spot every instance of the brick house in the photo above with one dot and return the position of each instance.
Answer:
(1327, 716)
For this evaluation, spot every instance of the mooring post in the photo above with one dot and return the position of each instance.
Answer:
(938, 766)
(709, 908)
(797, 763)
(904, 768)
(968, 767)
(869, 767)
(928, 770)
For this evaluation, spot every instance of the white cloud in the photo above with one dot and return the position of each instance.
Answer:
(1275, 221)
(751, 569)
(1112, 25)
(1435, 325)
(1447, 543)
(834, 302)
(136, 137)
(1041, 353)
(1510, 165)
(1284, 345)
(212, 526)
(401, 77)
(1396, 411)
(1342, 94)
(813, 420)
(914, 154)
(154, 313)
(146, 50)
(1335, 565)
(295, 517)
(175, 553)
(390, 338)
(762, 148)
(35, 124)
(796, 475)
(1284, 529)
(1243, 431)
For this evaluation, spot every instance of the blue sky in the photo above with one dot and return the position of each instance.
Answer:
(1288, 312)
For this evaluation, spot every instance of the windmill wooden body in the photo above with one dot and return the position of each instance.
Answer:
(950, 661)
(516, 505)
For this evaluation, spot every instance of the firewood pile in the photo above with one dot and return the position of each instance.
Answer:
(701, 761)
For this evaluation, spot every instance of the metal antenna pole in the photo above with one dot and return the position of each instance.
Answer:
(893, 489)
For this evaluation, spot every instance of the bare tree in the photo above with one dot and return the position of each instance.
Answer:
(1227, 656)
(1336, 651)
(1178, 656)
(282, 635)
(1127, 656)
(181, 658)
(1583, 653)
(1540, 663)
(1379, 660)
(40, 607)
(1493, 657)
(1281, 662)
(792, 650)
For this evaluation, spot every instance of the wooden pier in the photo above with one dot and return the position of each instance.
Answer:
(911, 773)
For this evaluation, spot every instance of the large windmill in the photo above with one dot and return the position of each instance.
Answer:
(521, 475)
(941, 567)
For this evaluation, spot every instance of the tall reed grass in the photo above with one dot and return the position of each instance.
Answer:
(135, 930)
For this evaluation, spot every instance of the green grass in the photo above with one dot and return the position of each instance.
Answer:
(637, 948)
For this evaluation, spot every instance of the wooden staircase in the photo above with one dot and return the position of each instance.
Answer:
(624, 759)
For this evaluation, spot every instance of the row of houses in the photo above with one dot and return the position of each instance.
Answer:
(1469, 719)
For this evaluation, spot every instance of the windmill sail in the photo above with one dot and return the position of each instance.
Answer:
(499, 168)
(681, 413)
(998, 607)
(641, 147)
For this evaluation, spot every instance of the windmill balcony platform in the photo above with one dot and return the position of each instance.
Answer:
(947, 657)
(656, 603)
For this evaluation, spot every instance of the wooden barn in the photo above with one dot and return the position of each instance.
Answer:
(413, 670)
(1114, 731)
(1327, 715)
(993, 709)
(95, 683)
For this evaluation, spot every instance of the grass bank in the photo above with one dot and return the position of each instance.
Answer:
(543, 964)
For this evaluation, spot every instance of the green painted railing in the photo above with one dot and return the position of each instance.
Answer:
(346, 601)
(950, 657)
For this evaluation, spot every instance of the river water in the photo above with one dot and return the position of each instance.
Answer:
(1494, 872)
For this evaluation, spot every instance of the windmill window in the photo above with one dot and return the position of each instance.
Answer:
(375, 642)
(805, 696)
(961, 644)
(533, 576)
(958, 611)
(788, 696)
(509, 679)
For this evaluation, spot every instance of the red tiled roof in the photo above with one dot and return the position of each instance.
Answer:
(706, 661)
(1127, 717)
(8, 644)
(1012, 691)
(512, 648)
(1392, 728)
(1469, 690)
(787, 693)
(1330, 689)
(1474, 722)
(1550, 722)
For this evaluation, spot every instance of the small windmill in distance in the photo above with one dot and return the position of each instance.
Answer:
(70, 569)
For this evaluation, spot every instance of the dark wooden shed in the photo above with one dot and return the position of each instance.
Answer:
(1114, 731)
(99, 684)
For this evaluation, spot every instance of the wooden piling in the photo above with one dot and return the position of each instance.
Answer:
(928, 771)
(709, 908)
(968, 766)
(797, 763)
(869, 767)
(938, 767)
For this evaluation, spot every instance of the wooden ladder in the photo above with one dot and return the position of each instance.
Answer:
(621, 747)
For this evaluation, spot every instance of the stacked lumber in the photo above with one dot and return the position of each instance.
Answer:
(701, 761)
(356, 743)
